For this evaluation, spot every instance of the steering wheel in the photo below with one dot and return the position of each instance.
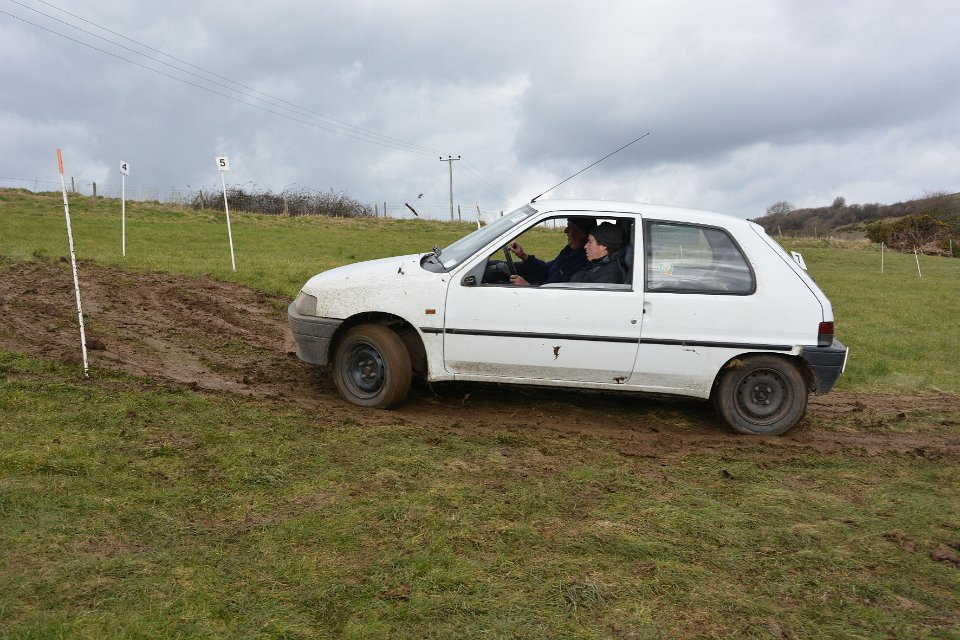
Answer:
(509, 257)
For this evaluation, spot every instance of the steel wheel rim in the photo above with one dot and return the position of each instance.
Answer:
(364, 370)
(763, 396)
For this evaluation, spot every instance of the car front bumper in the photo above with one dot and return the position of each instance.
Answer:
(312, 335)
(827, 364)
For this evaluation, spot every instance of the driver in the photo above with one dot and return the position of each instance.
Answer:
(572, 258)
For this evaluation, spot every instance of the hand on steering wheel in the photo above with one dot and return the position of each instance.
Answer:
(509, 257)
(518, 250)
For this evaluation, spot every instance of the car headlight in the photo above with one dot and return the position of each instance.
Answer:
(305, 304)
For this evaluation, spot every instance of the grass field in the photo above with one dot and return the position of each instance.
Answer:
(137, 508)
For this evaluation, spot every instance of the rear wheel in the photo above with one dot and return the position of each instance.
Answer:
(764, 395)
(371, 367)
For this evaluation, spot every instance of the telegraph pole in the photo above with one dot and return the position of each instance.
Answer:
(450, 160)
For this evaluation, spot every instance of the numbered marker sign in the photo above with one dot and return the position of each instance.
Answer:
(125, 168)
(223, 164)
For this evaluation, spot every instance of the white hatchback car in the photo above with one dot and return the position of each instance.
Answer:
(709, 307)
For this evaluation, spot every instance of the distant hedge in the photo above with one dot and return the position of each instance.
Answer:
(292, 203)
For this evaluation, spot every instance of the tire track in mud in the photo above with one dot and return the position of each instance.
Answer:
(222, 337)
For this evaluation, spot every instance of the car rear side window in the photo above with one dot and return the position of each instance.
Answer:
(683, 258)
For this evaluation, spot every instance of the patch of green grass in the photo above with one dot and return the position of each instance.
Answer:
(129, 508)
(273, 253)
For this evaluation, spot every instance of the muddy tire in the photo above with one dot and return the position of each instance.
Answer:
(765, 395)
(371, 367)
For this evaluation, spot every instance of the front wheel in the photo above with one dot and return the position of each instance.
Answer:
(371, 367)
(762, 395)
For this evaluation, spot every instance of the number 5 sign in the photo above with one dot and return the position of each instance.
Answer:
(224, 165)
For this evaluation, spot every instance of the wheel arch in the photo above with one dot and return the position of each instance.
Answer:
(739, 360)
(405, 330)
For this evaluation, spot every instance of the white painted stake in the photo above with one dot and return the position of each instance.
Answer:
(124, 170)
(224, 165)
(917, 256)
(73, 265)
(881, 257)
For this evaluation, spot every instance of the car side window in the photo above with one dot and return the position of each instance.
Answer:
(542, 256)
(683, 258)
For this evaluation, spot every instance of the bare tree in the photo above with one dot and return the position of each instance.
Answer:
(780, 208)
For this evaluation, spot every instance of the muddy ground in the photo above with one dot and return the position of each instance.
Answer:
(224, 338)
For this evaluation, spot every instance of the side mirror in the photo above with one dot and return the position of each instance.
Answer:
(469, 281)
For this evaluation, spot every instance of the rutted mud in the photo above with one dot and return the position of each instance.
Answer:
(222, 337)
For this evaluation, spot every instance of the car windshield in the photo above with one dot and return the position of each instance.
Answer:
(469, 245)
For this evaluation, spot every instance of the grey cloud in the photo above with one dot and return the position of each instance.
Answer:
(747, 102)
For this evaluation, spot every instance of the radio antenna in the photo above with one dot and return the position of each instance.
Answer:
(594, 164)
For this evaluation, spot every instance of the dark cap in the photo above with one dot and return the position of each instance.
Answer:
(583, 223)
(609, 235)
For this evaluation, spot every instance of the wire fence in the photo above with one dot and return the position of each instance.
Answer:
(253, 200)
(83, 186)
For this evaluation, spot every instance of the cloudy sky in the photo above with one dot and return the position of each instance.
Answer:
(746, 102)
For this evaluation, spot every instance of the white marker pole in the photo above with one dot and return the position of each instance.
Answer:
(124, 170)
(881, 256)
(224, 165)
(917, 256)
(73, 264)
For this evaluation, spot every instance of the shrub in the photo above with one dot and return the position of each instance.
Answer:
(919, 231)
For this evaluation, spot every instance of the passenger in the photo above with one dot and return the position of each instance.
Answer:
(571, 258)
(603, 250)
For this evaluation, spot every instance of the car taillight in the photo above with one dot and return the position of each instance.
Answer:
(825, 334)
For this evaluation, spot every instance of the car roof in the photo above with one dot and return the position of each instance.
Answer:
(654, 211)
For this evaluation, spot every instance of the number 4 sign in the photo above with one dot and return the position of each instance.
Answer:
(223, 164)
(124, 172)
